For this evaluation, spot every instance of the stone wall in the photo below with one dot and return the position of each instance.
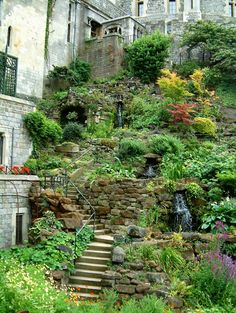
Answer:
(119, 203)
(105, 55)
(17, 146)
(27, 20)
(13, 200)
(107, 7)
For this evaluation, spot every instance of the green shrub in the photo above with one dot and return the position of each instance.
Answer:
(72, 132)
(42, 130)
(215, 194)
(187, 67)
(163, 144)
(228, 182)
(130, 148)
(147, 55)
(194, 191)
(78, 71)
(205, 126)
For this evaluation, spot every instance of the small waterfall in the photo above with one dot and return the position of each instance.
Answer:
(150, 172)
(119, 115)
(183, 218)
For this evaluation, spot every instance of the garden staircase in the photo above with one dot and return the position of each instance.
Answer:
(89, 268)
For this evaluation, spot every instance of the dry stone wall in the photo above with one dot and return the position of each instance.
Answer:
(119, 203)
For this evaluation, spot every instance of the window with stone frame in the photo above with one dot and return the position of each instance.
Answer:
(172, 7)
(232, 8)
(140, 8)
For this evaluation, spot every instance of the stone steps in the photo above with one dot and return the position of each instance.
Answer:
(90, 267)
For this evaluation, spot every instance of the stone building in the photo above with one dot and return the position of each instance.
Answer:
(34, 37)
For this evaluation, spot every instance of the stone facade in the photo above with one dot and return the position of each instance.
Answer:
(17, 146)
(14, 201)
(22, 32)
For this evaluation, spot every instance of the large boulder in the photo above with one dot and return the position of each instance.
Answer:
(136, 231)
(72, 220)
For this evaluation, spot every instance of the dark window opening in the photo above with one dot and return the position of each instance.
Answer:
(9, 33)
(69, 25)
(140, 8)
(19, 228)
(95, 29)
(191, 4)
(1, 149)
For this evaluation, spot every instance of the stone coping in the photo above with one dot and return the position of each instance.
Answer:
(29, 178)
(17, 100)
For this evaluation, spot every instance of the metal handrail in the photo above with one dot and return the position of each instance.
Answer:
(91, 217)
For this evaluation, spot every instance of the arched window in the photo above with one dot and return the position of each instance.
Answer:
(9, 34)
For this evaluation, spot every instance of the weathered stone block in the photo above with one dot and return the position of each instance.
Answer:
(136, 231)
(125, 289)
(118, 255)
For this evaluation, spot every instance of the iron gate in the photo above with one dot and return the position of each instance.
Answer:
(8, 74)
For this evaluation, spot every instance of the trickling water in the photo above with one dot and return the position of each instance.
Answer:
(183, 218)
(119, 115)
(150, 172)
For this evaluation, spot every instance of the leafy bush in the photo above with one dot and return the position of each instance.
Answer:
(228, 182)
(57, 252)
(194, 191)
(166, 144)
(187, 68)
(172, 86)
(181, 112)
(147, 55)
(78, 71)
(72, 132)
(130, 148)
(42, 130)
(205, 126)
(223, 212)
(215, 194)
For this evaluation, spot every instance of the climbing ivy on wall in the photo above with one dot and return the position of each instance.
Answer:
(51, 4)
